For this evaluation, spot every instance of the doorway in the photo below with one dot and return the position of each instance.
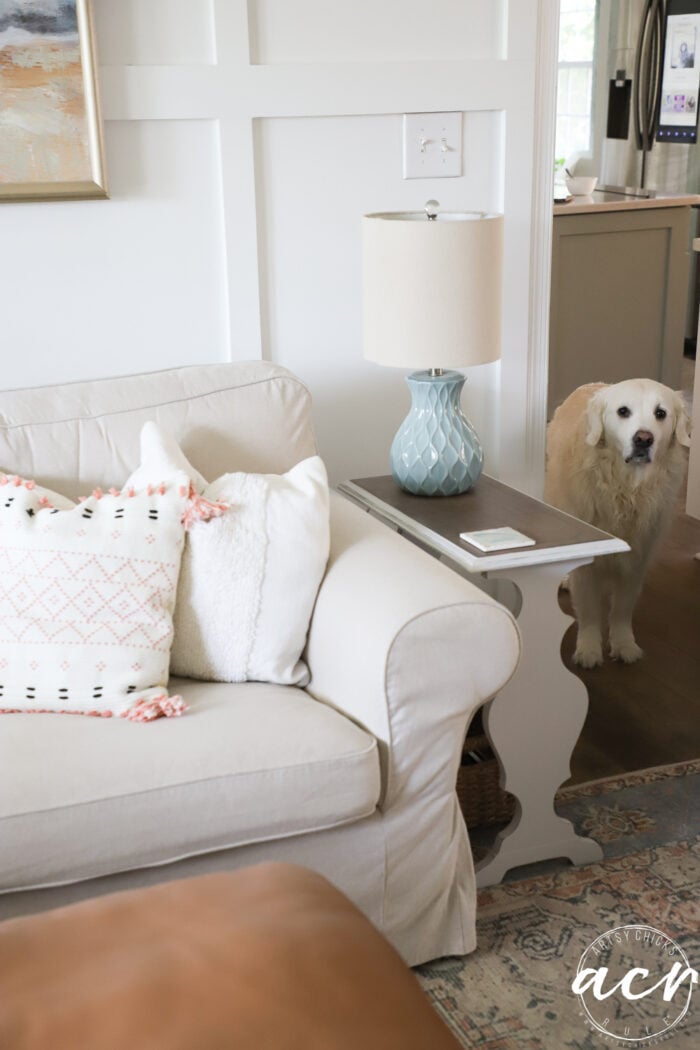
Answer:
(643, 714)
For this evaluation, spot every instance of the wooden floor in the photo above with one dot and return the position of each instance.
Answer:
(648, 713)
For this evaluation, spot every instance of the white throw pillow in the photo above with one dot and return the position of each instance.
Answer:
(87, 593)
(249, 578)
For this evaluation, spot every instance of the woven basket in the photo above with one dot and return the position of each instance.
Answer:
(480, 795)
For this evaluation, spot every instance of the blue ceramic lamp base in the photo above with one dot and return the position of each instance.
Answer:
(436, 451)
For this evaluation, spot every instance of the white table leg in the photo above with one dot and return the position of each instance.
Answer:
(533, 726)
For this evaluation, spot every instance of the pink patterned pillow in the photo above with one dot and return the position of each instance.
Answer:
(87, 593)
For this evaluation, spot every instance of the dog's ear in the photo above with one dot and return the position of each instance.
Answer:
(594, 417)
(682, 427)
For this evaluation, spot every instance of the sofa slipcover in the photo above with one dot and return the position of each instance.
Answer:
(401, 652)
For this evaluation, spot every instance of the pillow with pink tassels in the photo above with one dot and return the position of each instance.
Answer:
(87, 594)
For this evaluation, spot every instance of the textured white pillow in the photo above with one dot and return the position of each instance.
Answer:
(249, 578)
(86, 598)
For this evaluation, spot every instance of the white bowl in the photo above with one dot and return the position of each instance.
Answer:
(581, 185)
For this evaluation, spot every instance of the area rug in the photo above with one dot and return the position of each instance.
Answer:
(514, 991)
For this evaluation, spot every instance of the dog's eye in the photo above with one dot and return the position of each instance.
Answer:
(624, 411)
(661, 413)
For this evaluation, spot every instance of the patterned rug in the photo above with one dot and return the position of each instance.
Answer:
(513, 992)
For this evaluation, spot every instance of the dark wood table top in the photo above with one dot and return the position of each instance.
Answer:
(489, 505)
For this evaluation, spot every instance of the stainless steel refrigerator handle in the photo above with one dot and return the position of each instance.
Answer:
(647, 77)
(637, 93)
(655, 69)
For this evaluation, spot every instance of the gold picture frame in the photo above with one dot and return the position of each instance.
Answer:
(51, 143)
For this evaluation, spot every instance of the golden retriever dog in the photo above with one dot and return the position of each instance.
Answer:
(615, 459)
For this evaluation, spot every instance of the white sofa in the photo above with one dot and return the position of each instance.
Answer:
(353, 776)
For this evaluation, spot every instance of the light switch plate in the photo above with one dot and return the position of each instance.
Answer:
(432, 145)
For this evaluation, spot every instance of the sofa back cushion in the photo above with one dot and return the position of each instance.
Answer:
(246, 416)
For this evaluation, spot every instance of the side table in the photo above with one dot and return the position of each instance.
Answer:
(534, 723)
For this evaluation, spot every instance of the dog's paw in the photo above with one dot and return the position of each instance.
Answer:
(588, 654)
(626, 650)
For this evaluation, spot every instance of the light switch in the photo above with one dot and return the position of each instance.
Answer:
(432, 145)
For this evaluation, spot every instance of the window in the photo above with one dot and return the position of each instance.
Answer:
(577, 28)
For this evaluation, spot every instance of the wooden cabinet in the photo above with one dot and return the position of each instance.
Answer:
(619, 295)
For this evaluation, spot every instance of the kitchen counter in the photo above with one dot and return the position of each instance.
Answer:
(601, 200)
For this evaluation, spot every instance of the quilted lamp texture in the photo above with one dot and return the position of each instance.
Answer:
(436, 451)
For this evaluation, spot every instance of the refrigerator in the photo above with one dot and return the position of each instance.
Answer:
(648, 125)
(650, 52)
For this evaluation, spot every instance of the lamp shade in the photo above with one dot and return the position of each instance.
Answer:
(432, 288)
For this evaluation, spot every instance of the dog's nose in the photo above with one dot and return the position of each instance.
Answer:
(643, 439)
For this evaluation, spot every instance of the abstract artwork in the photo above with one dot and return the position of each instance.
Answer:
(50, 131)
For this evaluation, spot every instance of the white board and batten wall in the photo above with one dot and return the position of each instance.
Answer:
(244, 141)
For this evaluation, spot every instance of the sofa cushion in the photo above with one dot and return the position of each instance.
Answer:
(72, 437)
(250, 762)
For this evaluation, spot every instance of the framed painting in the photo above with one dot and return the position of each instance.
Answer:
(50, 130)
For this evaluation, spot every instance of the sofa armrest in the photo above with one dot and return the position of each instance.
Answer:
(405, 647)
